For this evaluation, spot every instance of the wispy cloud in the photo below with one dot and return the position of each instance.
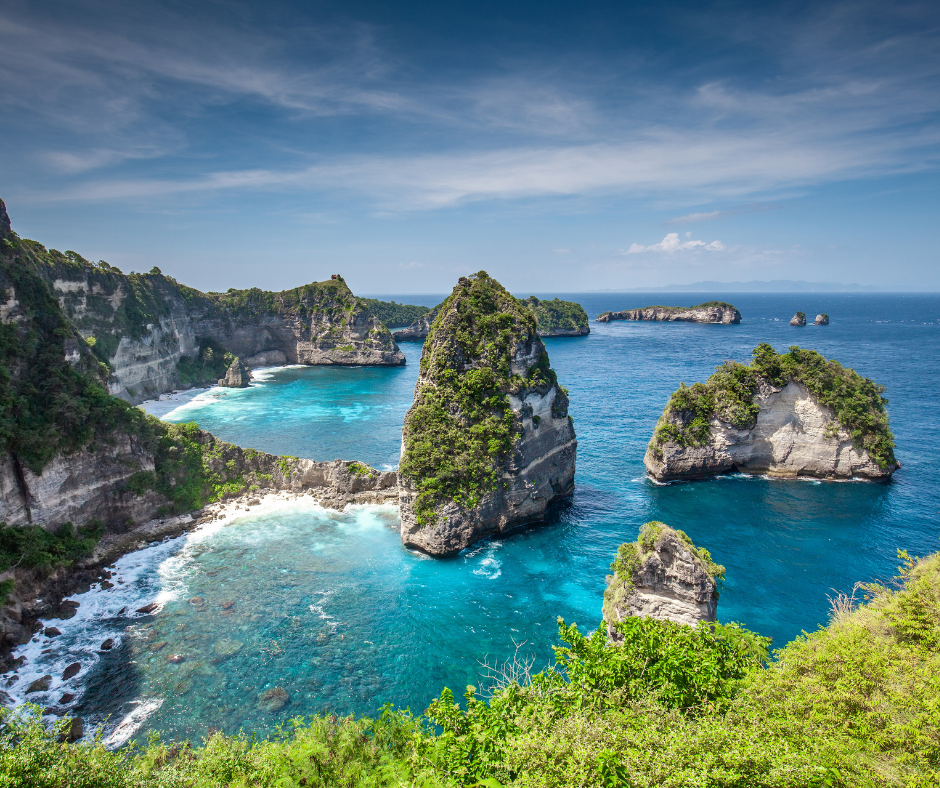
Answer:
(671, 243)
(707, 216)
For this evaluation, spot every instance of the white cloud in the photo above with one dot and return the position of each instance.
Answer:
(671, 243)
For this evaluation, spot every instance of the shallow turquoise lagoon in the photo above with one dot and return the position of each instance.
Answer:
(330, 608)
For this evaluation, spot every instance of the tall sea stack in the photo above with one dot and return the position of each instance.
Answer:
(488, 443)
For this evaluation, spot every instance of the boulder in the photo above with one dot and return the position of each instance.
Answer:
(487, 444)
(273, 699)
(39, 685)
(71, 670)
(237, 376)
(662, 575)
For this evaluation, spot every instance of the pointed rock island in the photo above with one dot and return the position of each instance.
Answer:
(661, 575)
(236, 377)
(788, 415)
(488, 443)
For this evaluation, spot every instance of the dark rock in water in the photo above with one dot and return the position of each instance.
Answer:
(67, 698)
(227, 605)
(662, 575)
(176, 658)
(51, 632)
(197, 601)
(73, 732)
(237, 376)
(273, 699)
(39, 685)
(160, 644)
(799, 319)
(66, 609)
(519, 449)
(822, 319)
(71, 670)
(107, 645)
(225, 647)
(146, 609)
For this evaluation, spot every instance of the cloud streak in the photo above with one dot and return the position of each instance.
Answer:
(671, 244)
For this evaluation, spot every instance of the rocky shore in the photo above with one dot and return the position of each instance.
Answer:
(709, 312)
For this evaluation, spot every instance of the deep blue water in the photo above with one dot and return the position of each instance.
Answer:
(333, 609)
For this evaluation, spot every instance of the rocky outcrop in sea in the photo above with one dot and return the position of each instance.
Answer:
(821, 320)
(709, 312)
(236, 377)
(664, 576)
(419, 329)
(799, 319)
(787, 415)
(487, 444)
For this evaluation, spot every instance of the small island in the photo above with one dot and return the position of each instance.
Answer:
(661, 575)
(709, 312)
(788, 415)
(822, 319)
(488, 443)
(799, 319)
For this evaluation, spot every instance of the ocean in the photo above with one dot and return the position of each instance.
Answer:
(333, 610)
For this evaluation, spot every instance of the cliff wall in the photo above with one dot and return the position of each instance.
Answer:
(156, 334)
(662, 575)
(709, 312)
(487, 444)
(785, 415)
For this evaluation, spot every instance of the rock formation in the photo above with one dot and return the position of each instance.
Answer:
(419, 329)
(799, 319)
(487, 444)
(147, 327)
(822, 319)
(237, 376)
(555, 318)
(662, 575)
(786, 415)
(709, 312)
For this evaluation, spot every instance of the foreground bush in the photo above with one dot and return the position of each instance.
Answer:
(854, 704)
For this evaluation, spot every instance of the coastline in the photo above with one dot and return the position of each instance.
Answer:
(87, 594)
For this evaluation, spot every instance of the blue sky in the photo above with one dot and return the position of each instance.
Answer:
(560, 146)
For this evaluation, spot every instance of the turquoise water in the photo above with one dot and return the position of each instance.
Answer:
(330, 608)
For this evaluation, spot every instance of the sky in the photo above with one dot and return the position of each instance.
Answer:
(562, 147)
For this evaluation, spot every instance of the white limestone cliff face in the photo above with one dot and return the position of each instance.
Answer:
(701, 314)
(667, 581)
(540, 471)
(794, 435)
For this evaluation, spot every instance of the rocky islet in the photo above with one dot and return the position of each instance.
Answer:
(709, 312)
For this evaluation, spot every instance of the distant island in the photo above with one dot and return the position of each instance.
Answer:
(709, 312)
(759, 286)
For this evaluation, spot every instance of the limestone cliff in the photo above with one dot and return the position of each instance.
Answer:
(555, 318)
(709, 312)
(787, 415)
(662, 575)
(487, 444)
(821, 320)
(156, 334)
(799, 319)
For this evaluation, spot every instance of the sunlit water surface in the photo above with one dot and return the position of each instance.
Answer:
(293, 609)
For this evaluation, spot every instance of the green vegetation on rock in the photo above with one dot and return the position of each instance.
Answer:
(392, 313)
(853, 705)
(461, 428)
(729, 395)
(209, 364)
(556, 314)
(49, 404)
